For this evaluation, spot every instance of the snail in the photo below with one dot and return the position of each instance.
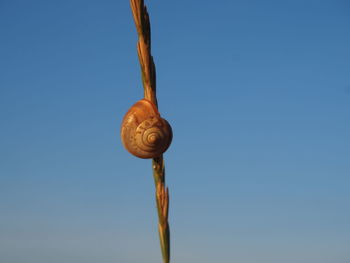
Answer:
(143, 132)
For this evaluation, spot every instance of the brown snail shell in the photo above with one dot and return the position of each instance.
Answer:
(143, 132)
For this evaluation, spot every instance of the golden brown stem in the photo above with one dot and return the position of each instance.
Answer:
(148, 68)
(148, 71)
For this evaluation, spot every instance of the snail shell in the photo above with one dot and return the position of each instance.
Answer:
(143, 132)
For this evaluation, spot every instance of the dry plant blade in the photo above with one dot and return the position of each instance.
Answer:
(148, 71)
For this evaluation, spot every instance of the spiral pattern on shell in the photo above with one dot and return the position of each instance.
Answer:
(144, 133)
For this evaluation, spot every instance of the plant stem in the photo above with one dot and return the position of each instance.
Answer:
(148, 71)
(162, 198)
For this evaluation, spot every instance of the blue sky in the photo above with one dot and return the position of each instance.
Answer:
(258, 95)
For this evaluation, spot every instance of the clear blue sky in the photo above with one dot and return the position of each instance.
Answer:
(257, 92)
